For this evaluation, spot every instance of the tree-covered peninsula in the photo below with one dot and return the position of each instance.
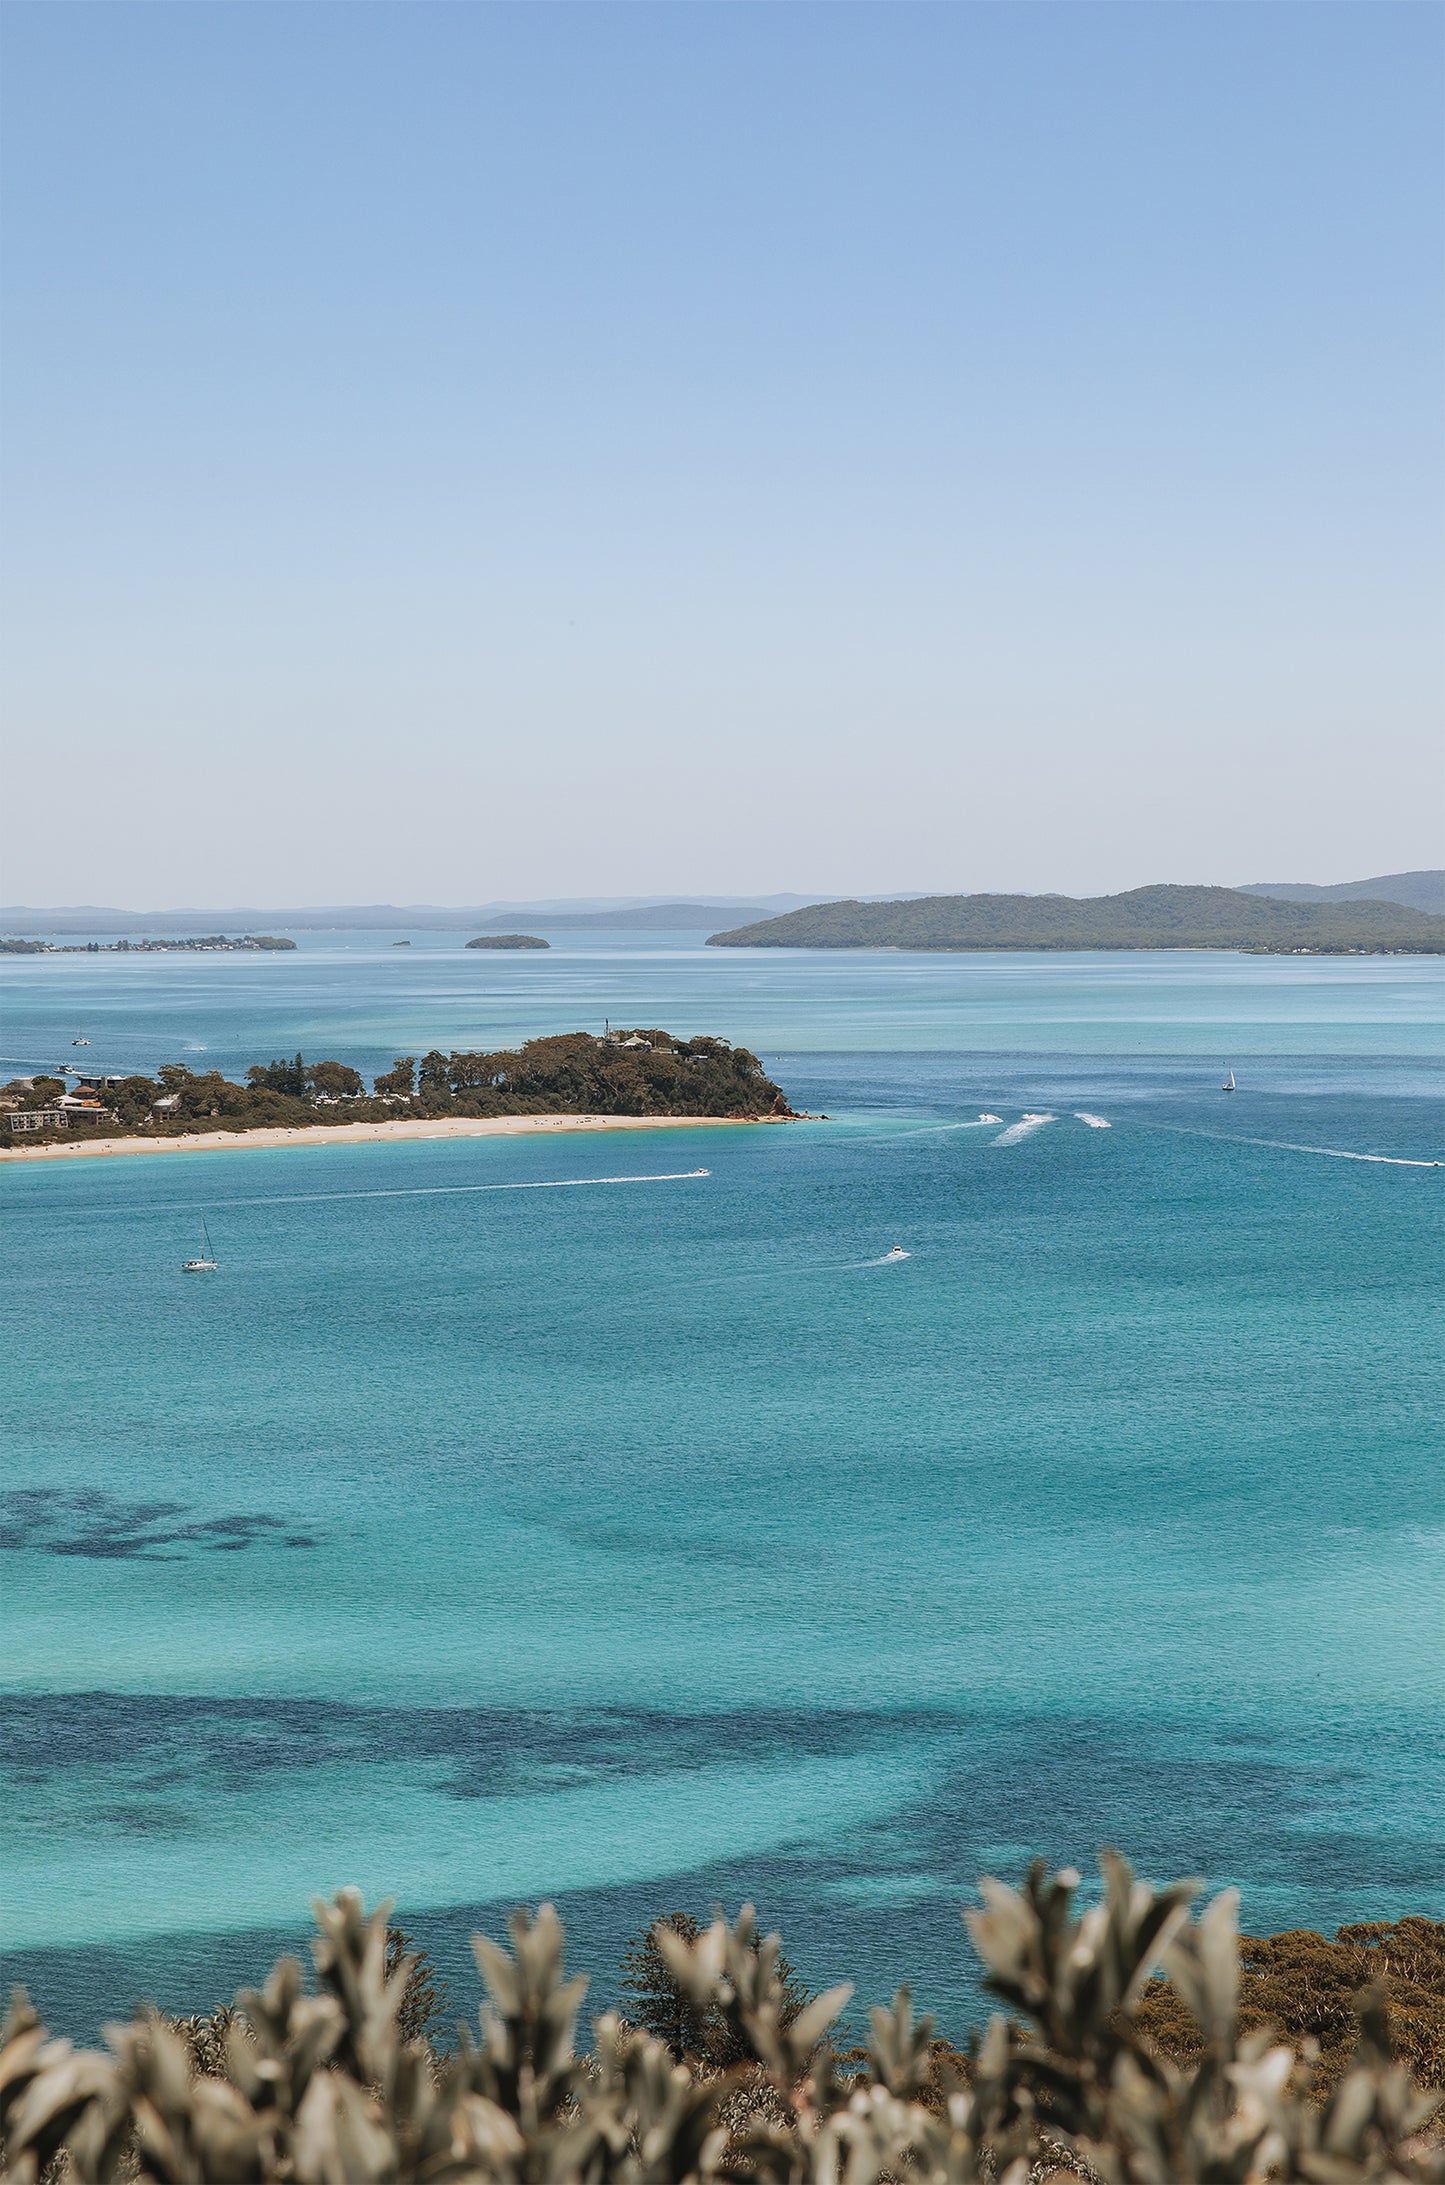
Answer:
(1158, 917)
(209, 944)
(636, 1073)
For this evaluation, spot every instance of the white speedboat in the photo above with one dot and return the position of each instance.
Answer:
(699, 1172)
(896, 1253)
(990, 1118)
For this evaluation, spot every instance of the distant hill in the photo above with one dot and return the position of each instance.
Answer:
(1419, 890)
(1158, 917)
(649, 918)
(625, 911)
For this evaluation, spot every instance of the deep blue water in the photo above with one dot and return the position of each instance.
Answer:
(652, 1543)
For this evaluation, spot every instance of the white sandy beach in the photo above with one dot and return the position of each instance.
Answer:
(340, 1134)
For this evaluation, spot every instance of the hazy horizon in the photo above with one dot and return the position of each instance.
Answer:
(453, 454)
(773, 899)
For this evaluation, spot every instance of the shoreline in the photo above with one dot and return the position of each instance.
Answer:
(337, 1134)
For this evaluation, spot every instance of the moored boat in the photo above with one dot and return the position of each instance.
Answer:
(206, 1262)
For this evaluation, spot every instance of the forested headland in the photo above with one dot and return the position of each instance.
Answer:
(208, 944)
(641, 1073)
(1157, 917)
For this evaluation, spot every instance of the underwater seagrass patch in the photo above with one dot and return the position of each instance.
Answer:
(110, 1529)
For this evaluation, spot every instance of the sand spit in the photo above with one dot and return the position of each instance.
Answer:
(347, 1134)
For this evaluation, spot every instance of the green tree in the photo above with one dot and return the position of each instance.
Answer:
(281, 1077)
(134, 1098)
(335, 1078)
(401, 1078)
(435, 1073)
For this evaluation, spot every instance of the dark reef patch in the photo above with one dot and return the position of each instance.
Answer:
(879, 1902)
(171, 1740)
(49, 1521)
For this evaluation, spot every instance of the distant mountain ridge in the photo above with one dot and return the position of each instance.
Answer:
(1421, 891)
(1143, 918)
(1418, 890)
(88, 918)
(645, 918)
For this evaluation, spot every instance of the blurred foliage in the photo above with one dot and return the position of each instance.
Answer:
(324, 2088)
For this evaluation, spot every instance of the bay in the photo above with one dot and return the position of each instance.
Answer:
(662, 1542)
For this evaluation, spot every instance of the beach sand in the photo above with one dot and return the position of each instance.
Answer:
(348, 1134)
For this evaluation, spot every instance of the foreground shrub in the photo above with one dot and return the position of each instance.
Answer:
(324, 2089)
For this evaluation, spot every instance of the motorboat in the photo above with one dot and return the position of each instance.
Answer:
(990, 1118)
(896, 1253)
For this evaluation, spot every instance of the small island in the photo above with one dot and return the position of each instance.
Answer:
(509, 940)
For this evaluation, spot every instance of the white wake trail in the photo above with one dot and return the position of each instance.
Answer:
(419, 1191)
(447, 1191)
(1289, 1145)
(1334, 1153)
(1095, 1122)
(933, 1130)
(1016, 1131)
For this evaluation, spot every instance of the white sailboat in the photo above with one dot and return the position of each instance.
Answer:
(206, 1264)
(1228, 1085)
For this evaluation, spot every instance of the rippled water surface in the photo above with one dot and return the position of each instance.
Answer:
(664, 1541)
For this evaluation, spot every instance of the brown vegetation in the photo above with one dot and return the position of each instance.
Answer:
(1307, 1989)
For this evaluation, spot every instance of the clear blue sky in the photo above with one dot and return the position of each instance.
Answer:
(459, 451)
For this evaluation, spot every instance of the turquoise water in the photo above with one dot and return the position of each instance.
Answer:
(657, 1541)
(367, 1000)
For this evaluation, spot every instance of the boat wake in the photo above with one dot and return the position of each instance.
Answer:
(1337, 1153)
(423, 1191)
(443, 1191)
(1021, 1129)
(1095, 1122)
(933, 1130)
(1289, 1145)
